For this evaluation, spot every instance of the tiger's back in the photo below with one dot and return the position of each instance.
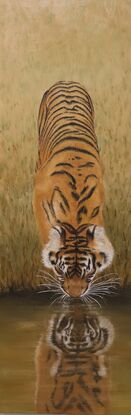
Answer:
(66, 115)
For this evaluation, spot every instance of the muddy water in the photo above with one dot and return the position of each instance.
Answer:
(66, 359)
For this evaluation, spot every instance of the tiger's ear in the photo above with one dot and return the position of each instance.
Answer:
(60, 231)
(52, 247)
(90, 233)
(107, 333)
(103, 245)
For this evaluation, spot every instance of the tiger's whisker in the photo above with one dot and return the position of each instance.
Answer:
(105, 282)
(109, 279)
(48, 276)
(94, 299)
(50, 285)
(49, 280)
(45, 272)
(56, 299)
(97, 294)
(104, 287)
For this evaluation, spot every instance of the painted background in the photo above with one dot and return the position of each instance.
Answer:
(41, 42)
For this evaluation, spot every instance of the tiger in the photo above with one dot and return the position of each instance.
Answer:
(69, 190)
(72, 367)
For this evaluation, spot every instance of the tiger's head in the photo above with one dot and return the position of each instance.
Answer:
(75, 333)
(76, 256)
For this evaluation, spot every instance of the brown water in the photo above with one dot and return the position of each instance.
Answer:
(66, 359)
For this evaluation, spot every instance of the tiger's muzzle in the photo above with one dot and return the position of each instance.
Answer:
(75, 287)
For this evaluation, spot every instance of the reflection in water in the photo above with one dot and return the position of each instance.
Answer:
(71, 367)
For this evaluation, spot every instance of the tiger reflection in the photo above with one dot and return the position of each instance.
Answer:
(71, 368)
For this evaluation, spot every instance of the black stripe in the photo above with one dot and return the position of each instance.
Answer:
(50, 206)
(41, 111)
(83, 209)
(57, 189)
(77, 88)
(69, 95)
(84, 189)
(88, 164)
(76, 123)
(78, 360)
(71, 251)
(65, 124)
(69, 85)
(83, 89)
(67, 133)
(69, 112)
(68, 98)
(82, 258)
(54, 131)
(40, 123)
(82, 228)
(88, 176)
(64, 164)
(60, 116)
(70, 148)
(62, 208)
(59, 105)
(65, 104)
(49, 140)
(90, 193)
(66, 128)
(71, 102)
(68, 227)
(95, 211)
(45, 211)
(64, 172)
(87, 134)
(82, 125)
(51, 148)
(75, 195)
(81, 109)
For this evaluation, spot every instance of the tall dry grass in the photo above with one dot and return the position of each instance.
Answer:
(43, 41)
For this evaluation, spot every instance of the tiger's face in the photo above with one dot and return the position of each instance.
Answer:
(81, 333)
(77, 256)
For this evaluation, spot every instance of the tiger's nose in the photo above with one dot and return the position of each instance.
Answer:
(75, 287)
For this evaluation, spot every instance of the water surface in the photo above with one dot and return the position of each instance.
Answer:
(68, 359)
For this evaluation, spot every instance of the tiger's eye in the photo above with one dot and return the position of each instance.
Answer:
(89, 278)
(52, 257)
(98, 264)
(51, 253)
(53, 262)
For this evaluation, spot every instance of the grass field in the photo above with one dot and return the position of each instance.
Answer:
(43, 41)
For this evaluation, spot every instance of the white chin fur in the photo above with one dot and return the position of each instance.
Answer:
(52, 245)
(104, 245)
